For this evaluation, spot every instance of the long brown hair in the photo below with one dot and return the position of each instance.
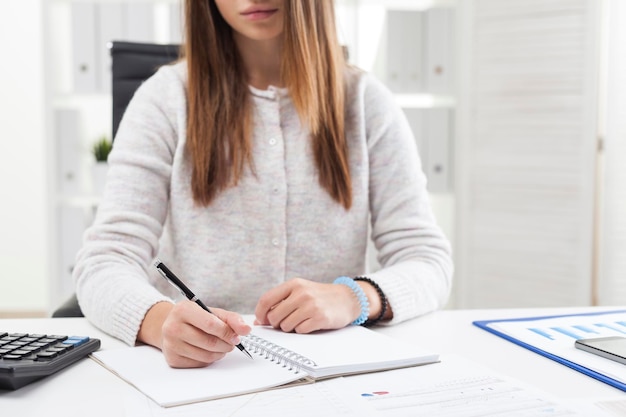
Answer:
(312, 69)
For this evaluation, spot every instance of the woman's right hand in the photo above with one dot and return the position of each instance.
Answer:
(189, 336)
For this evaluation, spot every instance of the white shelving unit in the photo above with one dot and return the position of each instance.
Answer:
(411, 46)
(79, 107)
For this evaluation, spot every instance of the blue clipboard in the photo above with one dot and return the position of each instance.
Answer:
(485, 325)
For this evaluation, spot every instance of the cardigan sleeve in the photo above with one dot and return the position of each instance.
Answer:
(415, 256)
(111, 271)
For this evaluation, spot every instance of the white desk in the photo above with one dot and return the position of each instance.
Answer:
(86, 388)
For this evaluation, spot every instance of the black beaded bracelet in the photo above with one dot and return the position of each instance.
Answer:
(383, 301)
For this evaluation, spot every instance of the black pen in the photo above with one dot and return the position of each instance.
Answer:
(178, 284)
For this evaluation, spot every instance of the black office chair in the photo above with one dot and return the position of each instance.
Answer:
(132, 64)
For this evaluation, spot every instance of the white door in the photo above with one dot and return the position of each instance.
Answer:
(526, 152)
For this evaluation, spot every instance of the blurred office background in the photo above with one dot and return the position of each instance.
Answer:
(517, 107)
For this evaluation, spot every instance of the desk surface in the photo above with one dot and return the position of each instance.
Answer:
(86, 388)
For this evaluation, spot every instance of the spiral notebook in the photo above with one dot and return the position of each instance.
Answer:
(280, 360)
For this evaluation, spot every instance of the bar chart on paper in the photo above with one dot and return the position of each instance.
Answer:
(582, 331)
(554, 337)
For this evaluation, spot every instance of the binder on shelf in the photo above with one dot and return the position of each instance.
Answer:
(404, 70)
(439, 50)
(280, 359)
(432, 128)
(85, 56)
(438, 127)
(140, 26)
(94, 25)
(112, 24)
(68, 151)
(554, 337)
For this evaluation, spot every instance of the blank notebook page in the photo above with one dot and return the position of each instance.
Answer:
(145, 368)
(353, 349)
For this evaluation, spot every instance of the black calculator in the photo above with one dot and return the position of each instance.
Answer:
(25, 358)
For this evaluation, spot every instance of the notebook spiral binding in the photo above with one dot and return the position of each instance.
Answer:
(275, 353)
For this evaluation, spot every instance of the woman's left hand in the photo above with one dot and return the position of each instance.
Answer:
(305, 306)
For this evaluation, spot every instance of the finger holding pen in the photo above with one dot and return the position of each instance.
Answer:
(193, 338)
(223, 327)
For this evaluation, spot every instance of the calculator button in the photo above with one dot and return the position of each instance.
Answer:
(46, 355)
(76, 340)
(11, 346)
(31, 349)
(57, 337)
(10, 338)
(58, 350)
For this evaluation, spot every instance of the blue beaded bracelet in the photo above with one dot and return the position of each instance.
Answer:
(360, 295)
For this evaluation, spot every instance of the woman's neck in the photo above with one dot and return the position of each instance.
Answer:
(261, 60)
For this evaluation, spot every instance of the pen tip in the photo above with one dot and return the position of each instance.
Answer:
(243, 349)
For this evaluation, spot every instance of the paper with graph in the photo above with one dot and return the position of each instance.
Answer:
(554, 337)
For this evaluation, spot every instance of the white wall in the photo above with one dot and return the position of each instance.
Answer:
(23, 218)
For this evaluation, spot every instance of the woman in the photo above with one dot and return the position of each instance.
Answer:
(253, 168)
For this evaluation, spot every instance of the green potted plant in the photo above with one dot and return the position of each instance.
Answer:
(100, 150)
